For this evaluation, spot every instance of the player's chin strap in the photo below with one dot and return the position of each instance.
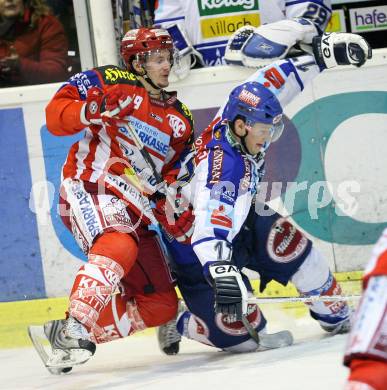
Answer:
(149, 81)
(145, 76)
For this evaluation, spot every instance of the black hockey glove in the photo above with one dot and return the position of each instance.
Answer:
(333, 49)
(230, 292)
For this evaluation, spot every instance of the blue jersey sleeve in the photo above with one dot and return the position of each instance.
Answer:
(84, 81)
(287, 78)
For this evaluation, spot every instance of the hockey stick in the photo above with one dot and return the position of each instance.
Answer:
(280, 339)
(252, 332)
(140, 146)
(312, 299)
(149, 162)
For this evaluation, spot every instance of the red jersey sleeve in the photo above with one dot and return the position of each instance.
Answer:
(63, 112)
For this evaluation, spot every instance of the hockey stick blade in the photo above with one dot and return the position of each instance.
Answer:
(316, 298)
(265, 341)
(281, 339)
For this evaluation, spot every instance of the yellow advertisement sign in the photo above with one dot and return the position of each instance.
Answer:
(337, 22)
(224, 26)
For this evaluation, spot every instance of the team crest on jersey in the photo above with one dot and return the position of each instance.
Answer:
(236, 328)
(177, 125)
(285, 242)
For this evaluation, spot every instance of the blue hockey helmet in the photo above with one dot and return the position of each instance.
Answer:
(255, 103)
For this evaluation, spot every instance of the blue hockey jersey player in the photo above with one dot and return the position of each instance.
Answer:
(221, 178)
(211, 32)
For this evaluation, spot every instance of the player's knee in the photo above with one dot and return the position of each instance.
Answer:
(120, 247)
(313, 272)
(158, 308)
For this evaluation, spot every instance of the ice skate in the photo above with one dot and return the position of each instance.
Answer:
(340, 328)
(69, 341)
(168, 336)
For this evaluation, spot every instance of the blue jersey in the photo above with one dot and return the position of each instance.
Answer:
(220, 180)
(208, 24)
(222, 185)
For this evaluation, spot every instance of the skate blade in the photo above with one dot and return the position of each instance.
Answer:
(62, 359)
(275, 340)
(56, 361)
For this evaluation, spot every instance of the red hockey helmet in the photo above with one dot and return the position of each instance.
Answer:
(143, 40)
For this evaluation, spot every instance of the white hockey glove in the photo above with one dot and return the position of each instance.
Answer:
(335, 49)
(230, 292)
(257, 47)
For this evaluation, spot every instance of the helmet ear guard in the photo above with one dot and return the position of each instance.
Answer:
(137, 66)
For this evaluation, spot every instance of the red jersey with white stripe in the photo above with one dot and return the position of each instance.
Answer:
(107, 154)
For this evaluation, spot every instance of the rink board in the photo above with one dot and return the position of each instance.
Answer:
(333, 133)
(16, 316)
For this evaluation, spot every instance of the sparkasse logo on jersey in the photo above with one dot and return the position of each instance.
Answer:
(368, 19)
(216, 7)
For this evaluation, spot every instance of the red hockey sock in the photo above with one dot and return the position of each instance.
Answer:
(110, 258)
(157, 308)
(371, 372)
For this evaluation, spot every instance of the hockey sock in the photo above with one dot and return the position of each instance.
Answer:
(370, 372)
(314, 278)
(110, 258)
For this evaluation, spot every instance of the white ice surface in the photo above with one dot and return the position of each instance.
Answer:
(314, 362)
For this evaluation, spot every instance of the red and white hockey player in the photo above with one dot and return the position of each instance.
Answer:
(105, 189)
(366, 353)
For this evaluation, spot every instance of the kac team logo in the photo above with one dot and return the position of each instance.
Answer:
(177, 125)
